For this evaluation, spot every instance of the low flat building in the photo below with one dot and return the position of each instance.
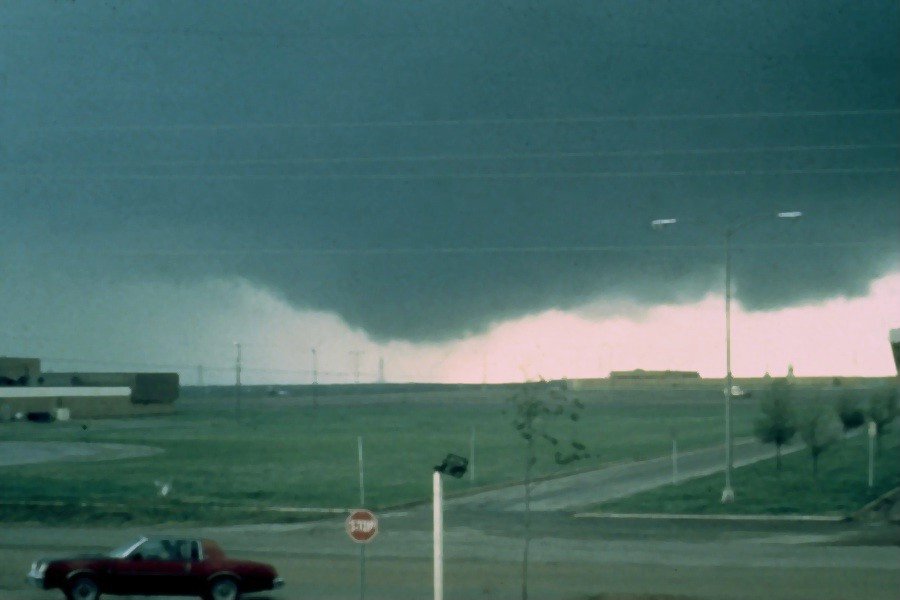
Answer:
(25, 389)
(74, 402)
(642, 375)
(146, 388)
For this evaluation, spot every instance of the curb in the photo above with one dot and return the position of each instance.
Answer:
(891, 496)
(694, 517)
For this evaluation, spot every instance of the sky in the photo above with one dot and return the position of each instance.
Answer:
(463, 189)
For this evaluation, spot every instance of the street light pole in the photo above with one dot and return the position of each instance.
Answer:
(728, 492)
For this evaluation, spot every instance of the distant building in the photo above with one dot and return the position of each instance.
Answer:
(146, 388)
(24, 388)
(636, 378)
(641, 375)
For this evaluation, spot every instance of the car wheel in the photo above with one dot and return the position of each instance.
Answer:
(223, 588)
(83, 588)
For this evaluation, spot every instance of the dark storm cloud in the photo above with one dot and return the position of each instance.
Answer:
(424, 169)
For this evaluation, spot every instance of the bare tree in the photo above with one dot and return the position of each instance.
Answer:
(882, 410)
(819, 429)
(778, 422)
(537, 407)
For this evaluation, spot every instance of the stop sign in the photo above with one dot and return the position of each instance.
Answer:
(362, 525)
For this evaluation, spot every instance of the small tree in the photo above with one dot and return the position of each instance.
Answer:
(850, 411)
(777, 424)
(882, 411)
(819, 429)
(537, 406)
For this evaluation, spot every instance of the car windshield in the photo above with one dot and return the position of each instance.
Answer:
(125, 549)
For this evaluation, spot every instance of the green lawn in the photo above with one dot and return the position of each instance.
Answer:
(283, 453)
(839, 489)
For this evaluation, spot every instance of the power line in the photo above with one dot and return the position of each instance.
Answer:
(463, 176)
(191, 367)
(307, 33)
(449, 250)
(574, 120)
(465, 157)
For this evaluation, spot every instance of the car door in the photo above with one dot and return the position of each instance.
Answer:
(158, 566)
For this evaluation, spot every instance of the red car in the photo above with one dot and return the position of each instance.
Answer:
(172, 566)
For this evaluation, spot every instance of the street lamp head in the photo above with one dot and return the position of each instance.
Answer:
(794, 214)
(661, 223)
(454, 465)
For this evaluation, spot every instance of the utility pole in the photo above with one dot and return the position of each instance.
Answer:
(237, 380)
(356, 354)
(315, 366)
(381, 370)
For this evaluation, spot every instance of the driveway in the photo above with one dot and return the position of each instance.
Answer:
(618, 481)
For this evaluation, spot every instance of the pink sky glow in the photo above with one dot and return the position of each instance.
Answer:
(835, 337)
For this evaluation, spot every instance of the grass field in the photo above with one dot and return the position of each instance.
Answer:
(839, 489)
(286, 452)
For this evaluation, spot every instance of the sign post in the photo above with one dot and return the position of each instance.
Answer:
(362, 502)
(362, 527)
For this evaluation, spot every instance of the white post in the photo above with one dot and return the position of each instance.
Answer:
(472, 462)
(674, 461)
(438, 510)
(873, 431)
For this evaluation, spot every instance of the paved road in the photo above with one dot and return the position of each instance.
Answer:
(571, 559)
(585, 489)
(23, 453)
